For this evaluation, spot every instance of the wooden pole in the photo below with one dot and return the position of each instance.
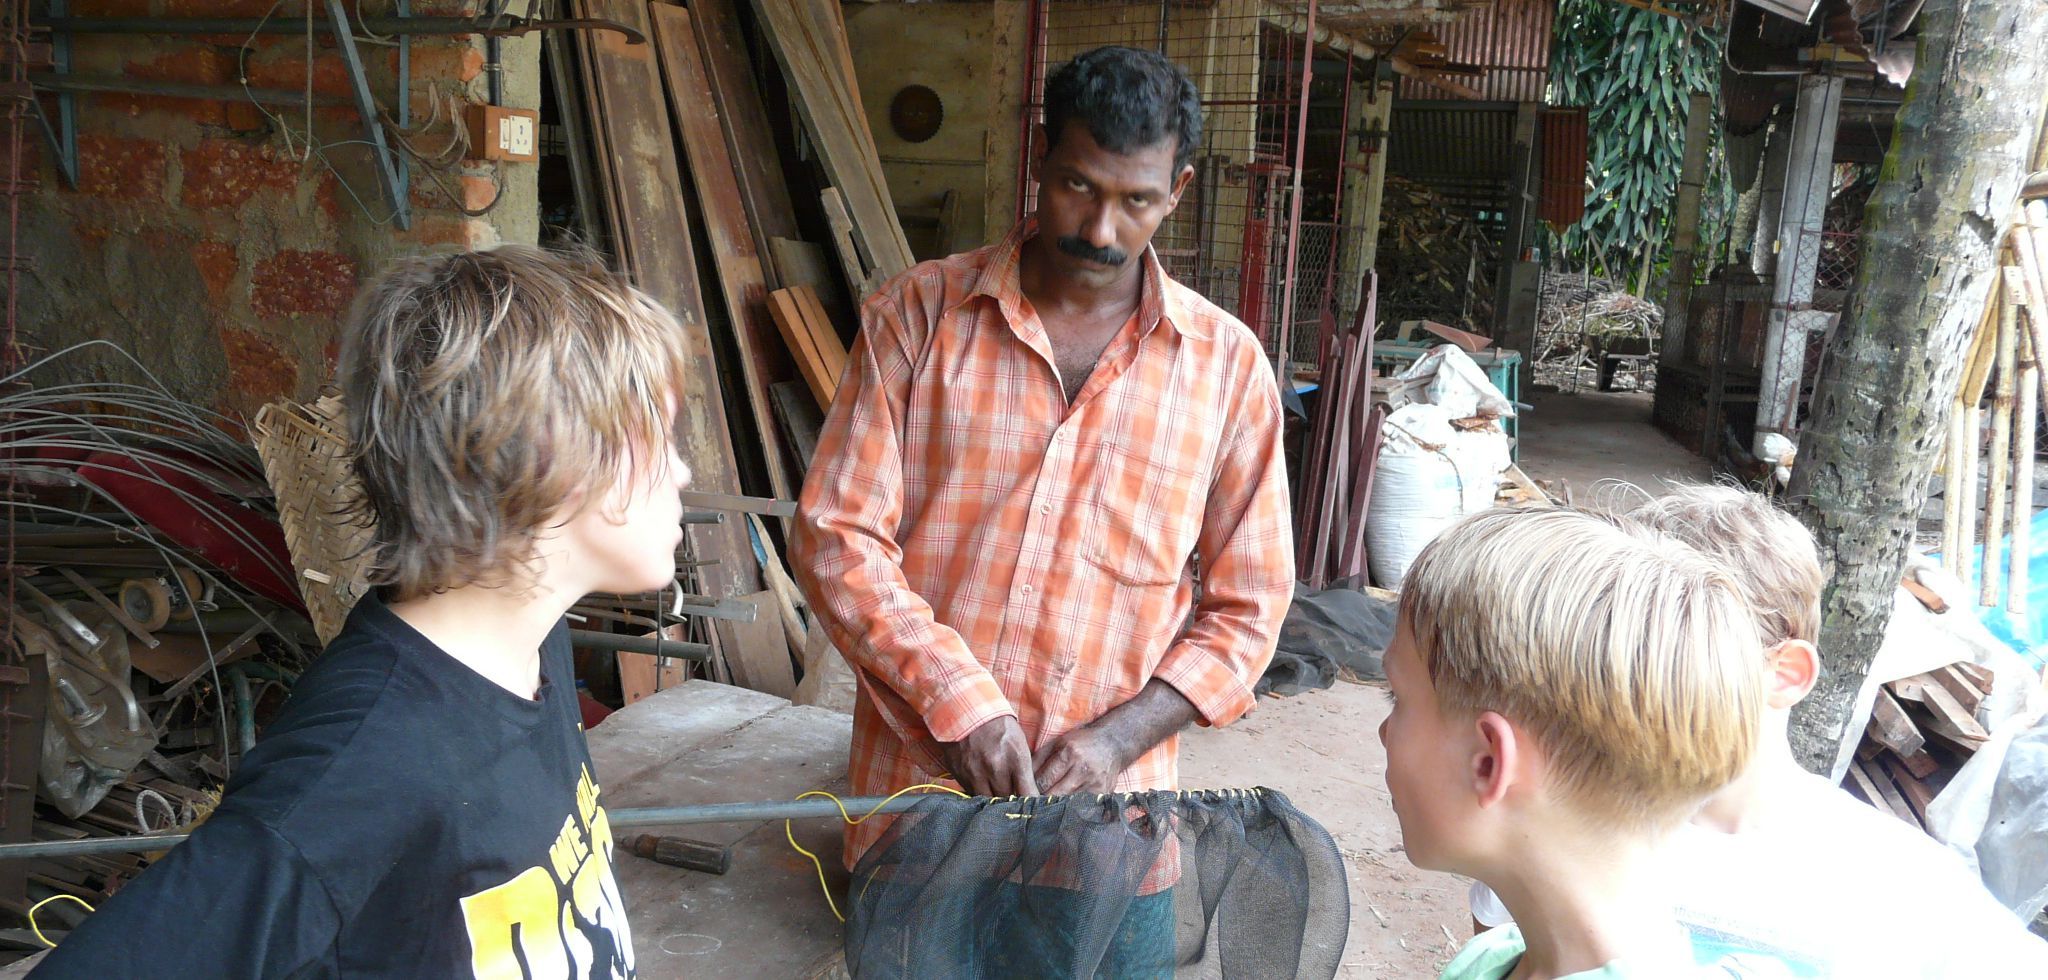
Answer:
(2030, 244)
(2001, 438)
(2023, 472)
(1970, 434)
(1952, 543)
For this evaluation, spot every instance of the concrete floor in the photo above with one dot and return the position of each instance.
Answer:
(1322, 749)
(1586, 438)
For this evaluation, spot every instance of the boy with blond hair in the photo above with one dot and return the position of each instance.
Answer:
(424, 804)
(1781, 860)
(1566, 693)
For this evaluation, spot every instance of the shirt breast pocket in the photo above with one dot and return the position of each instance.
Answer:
(1147, 515)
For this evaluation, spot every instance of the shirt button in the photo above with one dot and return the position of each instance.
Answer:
(1045, 508)
(1027, 590)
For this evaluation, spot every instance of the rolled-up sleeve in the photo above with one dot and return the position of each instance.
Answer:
(1247, 565)
(847, 558)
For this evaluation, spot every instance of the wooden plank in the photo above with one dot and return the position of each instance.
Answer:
(789, 318)
(1978, 675)
(1917, 794)
(858, 281)
(801, 418)
(1928, 597)
(824, 334)
(1921, 764)
(1893, 801)
(801, 263)
(656, 249)
(1966, 693)
(759, 654)
(1890, 728)
(809, 44)
(749, 137)
(742, 284)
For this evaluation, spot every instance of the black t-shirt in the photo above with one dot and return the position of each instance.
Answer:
(402, 817)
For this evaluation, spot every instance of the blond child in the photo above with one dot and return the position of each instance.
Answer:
(1781, 860)
(1566, 693)
(424, 804)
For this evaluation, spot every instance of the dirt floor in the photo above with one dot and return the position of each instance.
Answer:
(1323, 750)
(1588, 437)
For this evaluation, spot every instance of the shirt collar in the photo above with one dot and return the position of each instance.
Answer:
(1159, 301)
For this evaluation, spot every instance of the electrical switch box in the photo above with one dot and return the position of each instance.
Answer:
(499, 133)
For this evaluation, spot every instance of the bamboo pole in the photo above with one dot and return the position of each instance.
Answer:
(2023, 471)
(1971, 397)
(2000, 454)
(1952, 495)
(2030, 244)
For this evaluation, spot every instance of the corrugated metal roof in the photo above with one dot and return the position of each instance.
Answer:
(1508, 41)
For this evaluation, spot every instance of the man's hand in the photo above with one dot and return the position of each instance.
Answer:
(1085, 760)
(993, 760)
(1088, 759)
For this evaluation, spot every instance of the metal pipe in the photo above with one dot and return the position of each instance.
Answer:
(619, 643)
(411, 26)
(221, 93)
(1282, 357)
(652, 816)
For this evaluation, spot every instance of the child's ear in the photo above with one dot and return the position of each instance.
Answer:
(1497, 759)
(1794, 669)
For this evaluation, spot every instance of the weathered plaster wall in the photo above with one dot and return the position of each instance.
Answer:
(209, 238)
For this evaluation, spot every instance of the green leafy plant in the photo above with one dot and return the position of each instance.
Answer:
(1634, 70)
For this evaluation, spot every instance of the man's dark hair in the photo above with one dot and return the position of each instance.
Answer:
(1129, 99)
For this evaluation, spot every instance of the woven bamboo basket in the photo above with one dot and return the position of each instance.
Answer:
(305, 455)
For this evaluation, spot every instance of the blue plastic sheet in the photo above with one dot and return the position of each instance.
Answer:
(2026, 634)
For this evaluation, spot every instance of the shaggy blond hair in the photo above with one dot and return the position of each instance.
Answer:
(487, 390)
(1769, 550)
(1630, 658)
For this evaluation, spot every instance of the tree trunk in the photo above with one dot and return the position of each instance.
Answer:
(1880, 408)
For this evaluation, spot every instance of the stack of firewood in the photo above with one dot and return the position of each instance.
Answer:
(1922, 729)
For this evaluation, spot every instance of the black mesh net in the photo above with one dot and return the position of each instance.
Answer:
(1233, 884)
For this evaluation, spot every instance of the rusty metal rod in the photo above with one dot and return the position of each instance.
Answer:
(414, 26)
(653, 816)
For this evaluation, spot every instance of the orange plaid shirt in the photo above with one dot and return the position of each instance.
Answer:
(977, 548)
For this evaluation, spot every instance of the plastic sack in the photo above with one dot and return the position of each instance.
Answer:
(1453, 381)
(1236, 884)
(1995, 813)
(1429, 474)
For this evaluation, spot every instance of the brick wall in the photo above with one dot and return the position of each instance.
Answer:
(208, 238)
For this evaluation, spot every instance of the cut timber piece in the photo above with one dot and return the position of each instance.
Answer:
(802, 263)
(1928, 597)
(789, 318)
(858, 280)
(824, 333)
(1957, 684)
(1978, 674)
(1889, 794)
(759, 653)
(1921, 764)
(800, 416)
(1889, 726)
(655, 247)
(640, 675)
(742, 284)
(1948, 721)
(1916, 792)
(1470, 343)
(811, 48)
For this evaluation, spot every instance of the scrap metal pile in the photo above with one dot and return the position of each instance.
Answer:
(1581, 320)
(152, 615)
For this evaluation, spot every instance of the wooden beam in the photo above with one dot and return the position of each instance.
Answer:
(749, 138)
(655, 247)
(742, 283)
(811, 48)
(810, 362)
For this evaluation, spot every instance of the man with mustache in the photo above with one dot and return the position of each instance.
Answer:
(1038, 452)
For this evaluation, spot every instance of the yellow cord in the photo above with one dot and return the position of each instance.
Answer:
(37, 907)
(851, 821)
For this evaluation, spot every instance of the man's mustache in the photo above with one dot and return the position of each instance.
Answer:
(1080, 249)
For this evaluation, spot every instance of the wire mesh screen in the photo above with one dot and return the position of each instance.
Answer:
(1231, 884)
(1229, 240)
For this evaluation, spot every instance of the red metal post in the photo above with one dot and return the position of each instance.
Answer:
(1034, 68)
(1308, 65)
